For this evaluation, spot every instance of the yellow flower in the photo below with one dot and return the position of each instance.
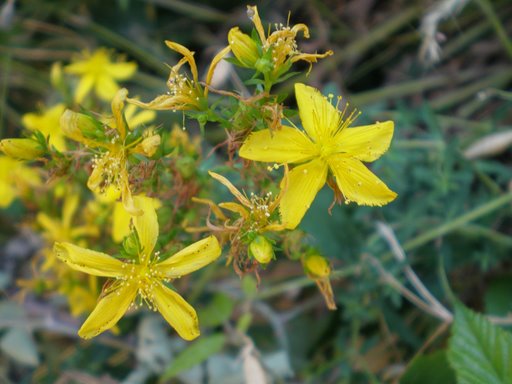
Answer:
(143, 277)
(111, 165)
(184, 93)
(280, 46)
(47, 123)
(15, 180)
(63, 229)
(327, 144)
(97, 71)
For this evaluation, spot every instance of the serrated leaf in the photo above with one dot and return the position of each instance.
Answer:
(428, 369)
(480, 352)
(19, 344)
(195, 354)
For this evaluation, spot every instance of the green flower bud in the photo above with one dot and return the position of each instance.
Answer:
(264, 65)
(186, 166)
(316, 266)
(21, 149)
(78, 126)
(243, 47)
(261, 249)
(131, 245)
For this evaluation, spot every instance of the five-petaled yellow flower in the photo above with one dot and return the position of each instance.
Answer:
(184, 93)
(111, 165)
(327, 144)
(143, 277)
(47, 123)
(97, 71)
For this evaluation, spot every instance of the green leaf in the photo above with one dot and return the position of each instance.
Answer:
(428, 369)
(195, 354)
(480, 352)
(217, 312)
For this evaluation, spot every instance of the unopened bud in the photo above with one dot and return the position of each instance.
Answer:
(21, 149)
(263, 65)
(317, 267)
(78, 126)
(131, 245)
(149, 145)
(261, 249)
(243, 47)
(186, 166)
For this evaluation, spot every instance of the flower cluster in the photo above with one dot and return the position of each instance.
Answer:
(108, 173)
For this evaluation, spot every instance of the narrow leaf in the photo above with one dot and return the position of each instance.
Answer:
(195, 354)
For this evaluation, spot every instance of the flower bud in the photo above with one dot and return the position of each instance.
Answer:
(186, 166)
(78, 126)
(244, 48)
(21, 149)
(264, 65)
(149, 145)
(316, 266)
(131, 245)
(261, 249)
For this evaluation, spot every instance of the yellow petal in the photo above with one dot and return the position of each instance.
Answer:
(366, 143)
(108, 311)
(241, 198)
(166, 102)
(84, 86)
(190, 259)
(88, 261)
(51, 227)
(214, 208)
(117, 111)
(286, 145)
(304, 182)
(237, 208)
(178, 313)
(146, 225)
(189, 56)
(120, 223)
(70, 206)
(96, 178)
(77, 68)
(7, 194)
(319, 117)
(121, 71)
(126, 195)
(252, 12)
(106, 87)
(218, 57)
(134, 117)
(357, 183)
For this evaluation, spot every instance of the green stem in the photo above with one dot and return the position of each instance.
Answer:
(488, 10)
(452, 225)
